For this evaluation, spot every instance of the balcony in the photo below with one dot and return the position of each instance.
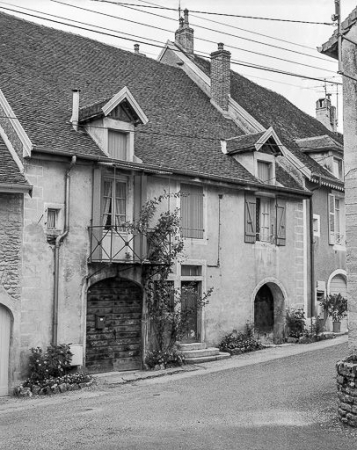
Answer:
(120, 245)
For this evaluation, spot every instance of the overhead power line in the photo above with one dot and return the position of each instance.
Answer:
(204, 28)
(161, 44)
(220, 14)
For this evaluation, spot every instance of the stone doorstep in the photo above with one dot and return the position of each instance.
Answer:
(191, 346)
(204, 359)
(191, 354)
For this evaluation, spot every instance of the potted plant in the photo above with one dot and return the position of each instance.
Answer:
(335, 306)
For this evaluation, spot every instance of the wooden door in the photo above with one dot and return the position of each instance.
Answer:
(189, 295)
(5, 330)
(114, 326)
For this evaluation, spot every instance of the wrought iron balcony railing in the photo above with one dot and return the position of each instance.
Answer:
(116, 244)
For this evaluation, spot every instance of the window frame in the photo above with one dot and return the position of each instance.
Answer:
(336, 224)
(316, 217)
(113, 203)
(191, 232)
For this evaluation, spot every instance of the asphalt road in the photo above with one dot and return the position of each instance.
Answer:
(288, 404)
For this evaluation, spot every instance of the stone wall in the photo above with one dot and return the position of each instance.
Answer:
(347, 390)
(11, 239)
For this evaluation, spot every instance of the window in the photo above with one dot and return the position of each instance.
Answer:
(336, 232)
(264, 171)
(118, 145)
(338, 168)
(316, 225)
(52, 219)
(191, 271)
(114, 204)
(265, 220)
(192, 211)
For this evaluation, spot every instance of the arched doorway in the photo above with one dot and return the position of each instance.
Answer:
(114, 309)
(5, 333)
(269, 312)
(338, 285)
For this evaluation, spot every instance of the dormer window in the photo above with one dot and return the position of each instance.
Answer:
(338, 168)
(264, 171)
(118, 145)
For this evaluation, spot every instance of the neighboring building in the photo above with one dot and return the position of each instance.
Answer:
(13, 189)
(315, 155)
(348, 68)
(99, 131)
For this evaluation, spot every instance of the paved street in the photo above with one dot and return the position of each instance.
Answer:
(285, 403)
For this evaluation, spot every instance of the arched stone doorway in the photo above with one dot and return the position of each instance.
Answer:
(269, 312)
(113, 340)
(5, 335)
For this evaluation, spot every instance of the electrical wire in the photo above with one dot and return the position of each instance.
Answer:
(220, 14)
(208, 29)
(241, 63)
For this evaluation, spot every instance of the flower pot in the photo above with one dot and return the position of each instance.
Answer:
(336, 327)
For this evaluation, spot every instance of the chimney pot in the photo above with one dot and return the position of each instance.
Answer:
(136, 48)
(221, 76)
(184, 34)
(75, 108)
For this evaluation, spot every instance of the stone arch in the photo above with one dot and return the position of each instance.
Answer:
(268, 303)
(13, 307)
(339, 273)
(114, 324)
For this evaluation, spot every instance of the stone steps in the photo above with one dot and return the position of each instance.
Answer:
(197, 352)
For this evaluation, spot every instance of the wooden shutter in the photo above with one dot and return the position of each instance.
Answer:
(250, 219)
(192, 211)
(96, 231)
(331, 218)
(280, 221)
(118, 145)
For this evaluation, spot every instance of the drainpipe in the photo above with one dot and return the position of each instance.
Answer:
(312, 254)
(59, 240)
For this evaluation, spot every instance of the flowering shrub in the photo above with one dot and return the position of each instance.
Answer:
(240, 342)
(52, 363)
(166, 358)
(295, 322)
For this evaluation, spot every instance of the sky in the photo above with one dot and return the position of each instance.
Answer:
(282, 44)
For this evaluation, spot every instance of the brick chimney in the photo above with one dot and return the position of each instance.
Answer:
(221, 77)
(326, 113)
(184, 35)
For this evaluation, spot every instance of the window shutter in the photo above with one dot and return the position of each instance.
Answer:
(250, 219)
(331, 218)
(192, 211)
(118, 145)
(280, 222)
(96, 235)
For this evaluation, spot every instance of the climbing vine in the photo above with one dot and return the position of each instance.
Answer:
(168, 319)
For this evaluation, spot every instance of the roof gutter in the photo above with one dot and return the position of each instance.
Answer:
(142, 167)
(12, 188)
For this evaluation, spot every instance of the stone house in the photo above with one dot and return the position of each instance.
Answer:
(13, 189)
(343, 48)
(315, 154)
(98, 131)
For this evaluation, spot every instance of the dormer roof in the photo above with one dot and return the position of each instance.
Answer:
(266, 141)
(319, 144)
(123, 99)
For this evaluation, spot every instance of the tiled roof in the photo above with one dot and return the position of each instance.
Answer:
(273, 110)
(322, 143)
(9, 171)
(243, 143)
(330, 47)
(40, 66)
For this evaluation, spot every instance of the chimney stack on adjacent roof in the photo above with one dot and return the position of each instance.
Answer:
(221, 77)
(184, 35)
(326, 113)
(75, 109)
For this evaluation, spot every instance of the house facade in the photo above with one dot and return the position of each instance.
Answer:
(313, 154)
(343, 48)
(97, 138)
